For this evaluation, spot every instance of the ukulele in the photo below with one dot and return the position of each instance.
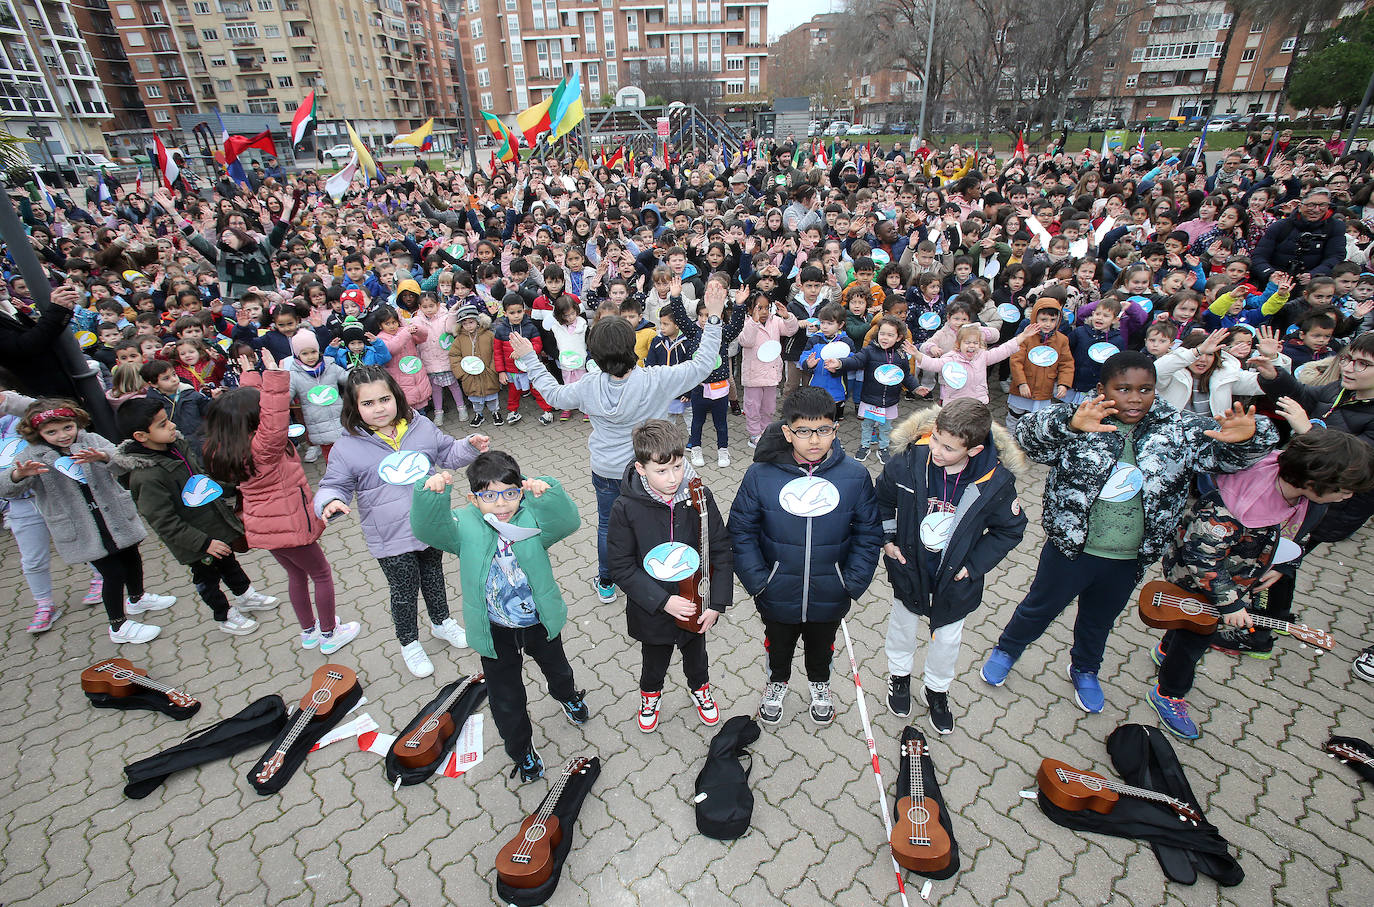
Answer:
(526, 861)
(697, 587)
(118, 677)
(919, 842)
(422, 745)
(1347, 754)
(1068, 788)
(328, 684)
(1165, 606)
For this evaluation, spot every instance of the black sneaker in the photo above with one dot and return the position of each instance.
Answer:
(530, 767)
(735, 409)
(498, 418)
(1255, 643)
(862, 455)
(941, 718)
(576, 708)
(883, 455)
(477, 419)
(899, 693)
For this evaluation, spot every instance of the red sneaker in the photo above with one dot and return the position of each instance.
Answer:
(706, 706)
(648, 710)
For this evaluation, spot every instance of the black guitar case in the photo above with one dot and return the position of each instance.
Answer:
(143, 700)
(933, 792)
(1144, 757)
(260, 721)
(1355, 743)
(308, 738)
(461, 710)
(567, 810)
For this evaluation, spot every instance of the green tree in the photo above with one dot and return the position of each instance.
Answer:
(1337, 68)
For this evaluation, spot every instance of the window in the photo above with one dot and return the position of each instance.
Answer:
(1143, 27)
(125, 12)
(224, 85)
(154, 91)
(1256, 27)
(201, 8)
(271, 31)
(517, 46)
(240, 32)
(734, 64)
(476, 27)
(1247, 55)
(1288, 45)
(218, 61)
(483, 78)
(541, 50)
(538, 24)
(162, 116)
(519, 72)
(282, 58)
(734, 88)
(1130, 81)
(484, 100)
(608, 32)
(265, 6)
(715, 12)
(145, 64)
(755, 15)
(613, 74)
(479, 53)
(285, 81)
(631, 32)
(589, 33)
(135, 38)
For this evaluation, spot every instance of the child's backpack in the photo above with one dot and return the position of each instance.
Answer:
(724, 802)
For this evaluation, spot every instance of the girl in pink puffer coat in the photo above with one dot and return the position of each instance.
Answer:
(438, 322)
(763, 331)
(403, 342)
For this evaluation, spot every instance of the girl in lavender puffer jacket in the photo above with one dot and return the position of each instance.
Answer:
(387, 446)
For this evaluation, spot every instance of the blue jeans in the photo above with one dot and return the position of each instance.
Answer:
(877, 432)
(1102, 586)
(607, 490)
(717, 409)
(855, 382)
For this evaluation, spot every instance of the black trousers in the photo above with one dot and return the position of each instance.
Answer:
(121, 572)
(208, 572)
(654, 666)
(506, 682)
(818, 647)
(1183, 649)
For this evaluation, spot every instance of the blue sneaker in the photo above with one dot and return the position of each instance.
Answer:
(1174, 714)
(1087, 692)
(997, 667)
(605, 592)
(1157, 655)
(576, 708)
(530, 766)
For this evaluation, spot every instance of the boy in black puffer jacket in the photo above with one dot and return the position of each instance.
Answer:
(886, 370)
(653, 516)
(805, 528)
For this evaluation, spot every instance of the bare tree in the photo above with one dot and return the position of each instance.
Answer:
(694, 85)
(891, 34)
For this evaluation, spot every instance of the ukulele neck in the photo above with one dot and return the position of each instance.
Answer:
(443, 707)
(1129, 790)
(307, 714)
(141, 680)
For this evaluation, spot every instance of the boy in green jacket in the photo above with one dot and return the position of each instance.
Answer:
(511, 602)
(187, 511)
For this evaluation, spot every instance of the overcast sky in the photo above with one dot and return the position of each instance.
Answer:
(787, 14)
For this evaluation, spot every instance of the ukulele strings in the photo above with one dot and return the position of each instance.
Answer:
(118, 673)
(1088, 781)
(545, 811)
(307, 714)
(1174, 601)
(918, 782)
(414, 741)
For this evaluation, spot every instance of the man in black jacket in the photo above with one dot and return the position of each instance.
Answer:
(1304, 244)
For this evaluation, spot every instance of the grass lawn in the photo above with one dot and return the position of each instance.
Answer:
(1004, 144)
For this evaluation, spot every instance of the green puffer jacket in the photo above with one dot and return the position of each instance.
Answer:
(156, 481)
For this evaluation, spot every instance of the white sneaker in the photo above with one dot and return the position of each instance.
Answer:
(438, 417)
(343, 635)
(512, 418)
(416, 660)
(133, 631)
(149, 602)
(310, 638)
(697, 458)
(722, 457)
(451, 632)
(238, 625)
(253, 600)
(754, 442)
(462, 414)
(312, 453)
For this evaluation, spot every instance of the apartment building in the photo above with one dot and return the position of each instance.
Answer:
(517, 51)
(49, 89)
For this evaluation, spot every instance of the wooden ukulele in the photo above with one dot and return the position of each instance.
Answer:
(118, 677)
(919, 842)
(526, 861)
(697, 587)
(1165, 606)
(1347, 753)
(422, 746)
(1068, 788)
(328, 684)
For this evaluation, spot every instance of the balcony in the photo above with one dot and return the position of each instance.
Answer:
(258, 92)
(247, 42)
(250, 66)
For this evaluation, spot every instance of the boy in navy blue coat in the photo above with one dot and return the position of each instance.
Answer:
(1098, 327)
(806, 534)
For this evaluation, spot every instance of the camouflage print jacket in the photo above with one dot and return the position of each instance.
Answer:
(1170, 449)
(1215, 554)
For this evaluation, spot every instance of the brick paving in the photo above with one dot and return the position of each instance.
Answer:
(338, 834)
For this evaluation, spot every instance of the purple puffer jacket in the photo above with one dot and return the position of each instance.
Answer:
(383, 508)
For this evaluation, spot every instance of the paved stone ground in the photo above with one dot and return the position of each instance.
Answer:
(337, 834)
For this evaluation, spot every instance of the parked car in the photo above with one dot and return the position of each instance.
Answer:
(1222, 123)
(90, 160)
(338, 152)
(857, 129)
(812, 128)
(839, 127)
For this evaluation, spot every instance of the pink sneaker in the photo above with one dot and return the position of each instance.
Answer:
(44, 616)
(95, 593)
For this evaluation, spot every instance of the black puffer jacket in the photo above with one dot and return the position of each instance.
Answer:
(1298, 246)
(639, 523)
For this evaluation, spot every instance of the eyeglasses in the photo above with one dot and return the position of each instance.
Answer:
(505, 494)
(805, 434)
(1359, 365)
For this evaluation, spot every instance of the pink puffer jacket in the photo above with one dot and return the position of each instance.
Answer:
(277, 502)
(432, 352)
(753, 371)
(403, 344)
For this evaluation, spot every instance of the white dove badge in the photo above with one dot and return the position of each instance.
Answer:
(936, 529)
(954, 374)
(571, 359)
(322, 395)
(404, 467)
(592, 367)
(769, 351)
(70, 468)
(445, 341)
(86, 339)
(1288, 550)
(835, 349)
(1043, 356)
(1068, 316)
(295, 430)
(671, 562)
(472, 365)
(1145, 303)
(509, 531)
(1124, 483)
(929, 321)
(808, 496)
(889, 375)
(10, 449)
(1008, 313)
(409, 365)
(200, 490)
(1101, 352)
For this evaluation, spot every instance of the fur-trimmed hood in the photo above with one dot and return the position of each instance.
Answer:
(919, 424)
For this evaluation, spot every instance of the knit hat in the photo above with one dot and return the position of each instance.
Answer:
(352, 331)
(355, 296)
(303, 340)
(465, 311)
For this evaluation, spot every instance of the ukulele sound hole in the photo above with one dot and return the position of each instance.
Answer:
(320, 697)
(918, 815)
(1091, 783)
(535, 833)
(429, 725)
(1191, 608)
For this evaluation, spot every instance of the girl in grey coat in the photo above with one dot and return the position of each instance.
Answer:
(90, 515)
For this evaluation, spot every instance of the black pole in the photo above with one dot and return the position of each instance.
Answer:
(68, 355)
(1364, 105)
(463, 91)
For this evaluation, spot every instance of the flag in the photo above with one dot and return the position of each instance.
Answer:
(47, 196)
(1140, 142)
(303, 120)
(236, 145)
(138, 182)
(1201, 143)
(166, 166)
(232, 167)
(493, 160)
(104, 188)
(338, 184)
(534, 120)
(630, 162)
(365, 162)
(1273, 143)
(418, 138)
(508, 142)
(617, 158)
(566, 110)
(821, 157)
(1020, 147)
